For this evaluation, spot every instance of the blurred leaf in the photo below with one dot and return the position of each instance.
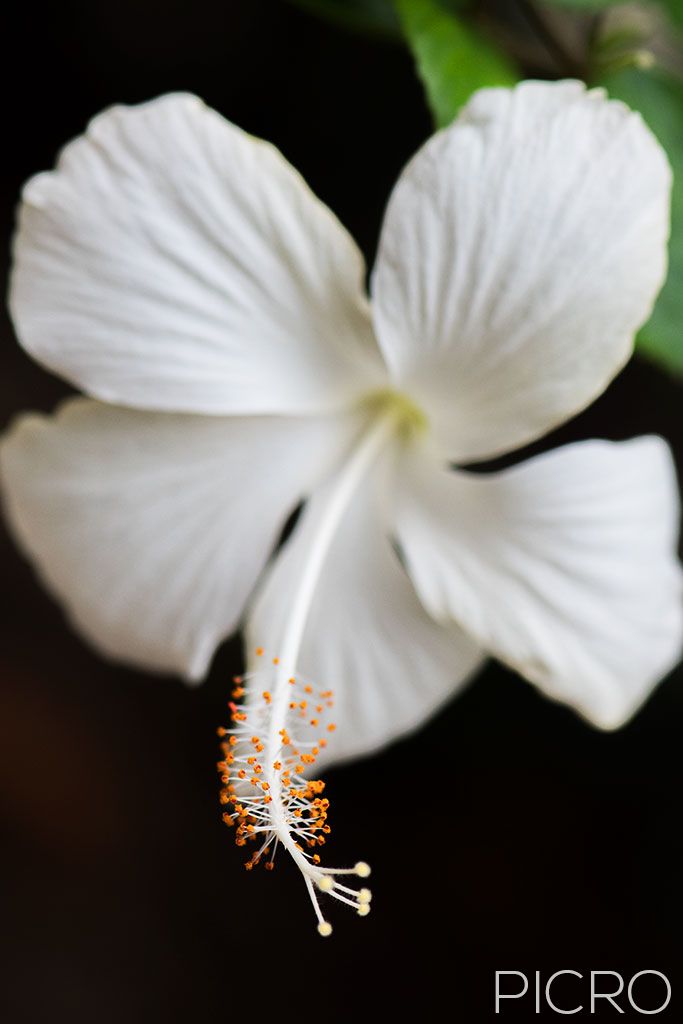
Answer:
(452, 59)
(675, 9)
(376, 16)
(660, 101)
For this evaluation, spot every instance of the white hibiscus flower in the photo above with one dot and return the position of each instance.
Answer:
(180, 273)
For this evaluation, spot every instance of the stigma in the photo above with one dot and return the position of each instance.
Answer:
(279, 725)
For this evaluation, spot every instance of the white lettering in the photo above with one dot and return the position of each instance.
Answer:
(549, 1001)
(504, 995)
(606, 995)
(632, 1001)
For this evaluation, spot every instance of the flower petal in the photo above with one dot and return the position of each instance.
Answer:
(563, 566)
(174, 262)
(152, 527)
(367, 636)
(521, 250)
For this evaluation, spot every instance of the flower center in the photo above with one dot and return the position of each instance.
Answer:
(277, 732)
(408, 417)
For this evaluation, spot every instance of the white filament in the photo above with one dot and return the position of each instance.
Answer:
(346, 485)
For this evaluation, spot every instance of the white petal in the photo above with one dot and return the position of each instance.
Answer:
(521, 250)
(172, 261)
(151, 528)
(367, 638)
(564, 567)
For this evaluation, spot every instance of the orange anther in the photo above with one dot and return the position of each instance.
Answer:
(259, 652)
(220, 731)
(331, 727)
(276, 661)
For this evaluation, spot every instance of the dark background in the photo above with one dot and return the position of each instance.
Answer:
(543, 845)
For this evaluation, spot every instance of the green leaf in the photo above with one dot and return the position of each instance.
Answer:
(660, 100)
(675, 9)
(452, 59)
(375, 16)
